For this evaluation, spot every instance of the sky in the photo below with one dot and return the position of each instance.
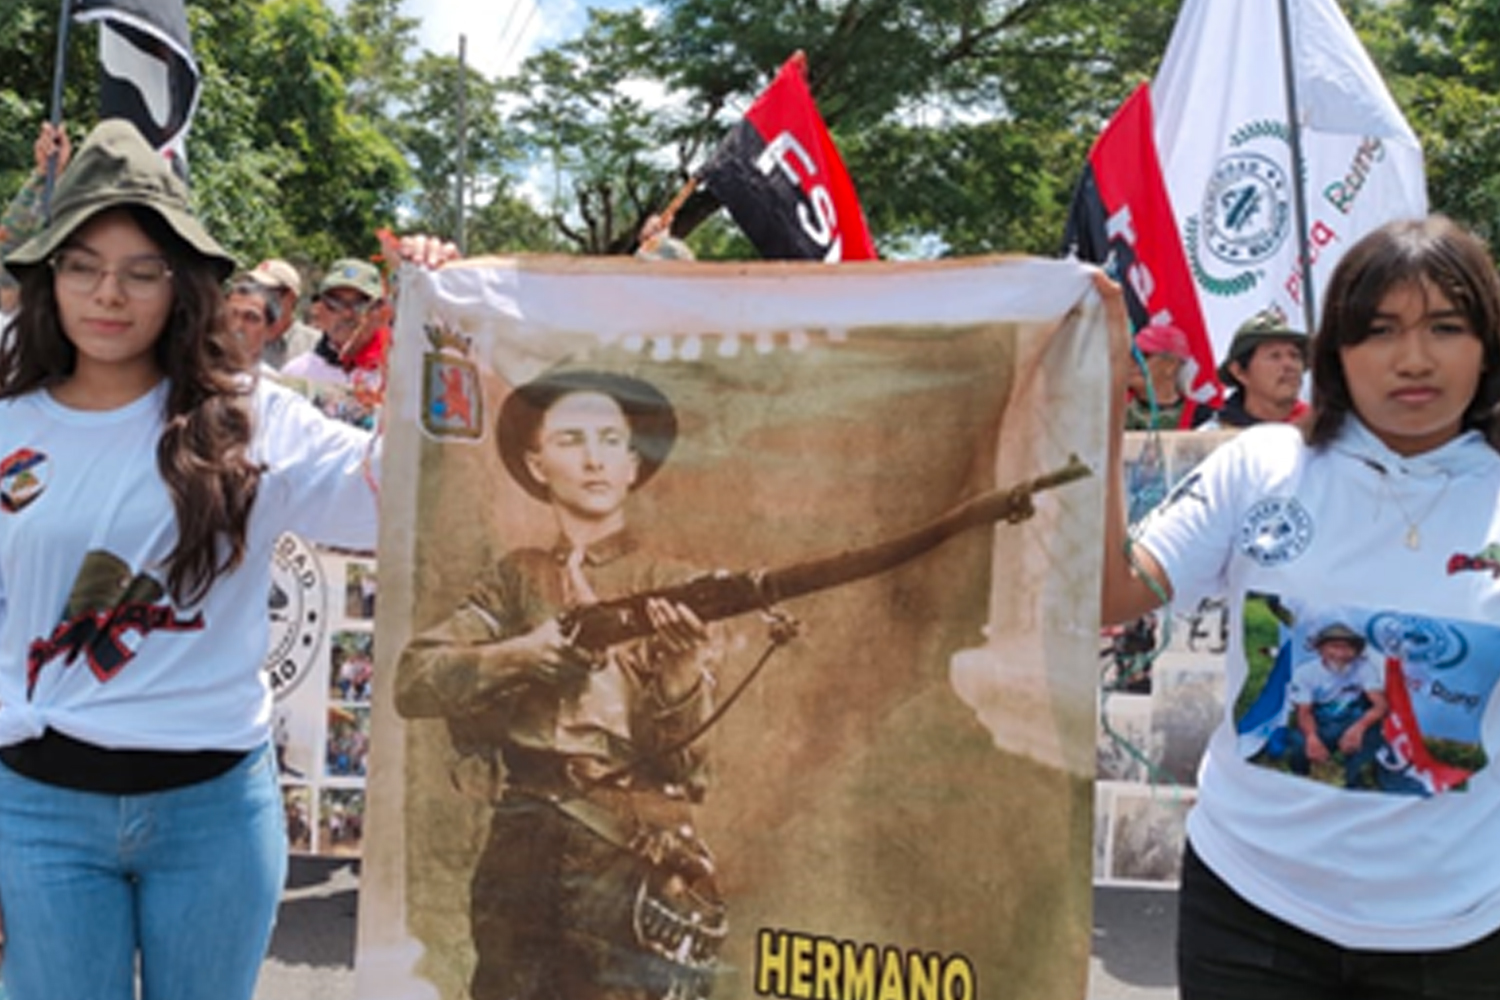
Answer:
(508, 31)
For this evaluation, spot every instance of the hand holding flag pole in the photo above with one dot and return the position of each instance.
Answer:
(54, 115)
(147, 73)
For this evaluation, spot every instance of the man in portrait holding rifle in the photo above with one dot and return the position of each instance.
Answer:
(593, 881)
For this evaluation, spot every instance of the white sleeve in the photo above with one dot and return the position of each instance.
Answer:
(321, 474)
(1194, 532)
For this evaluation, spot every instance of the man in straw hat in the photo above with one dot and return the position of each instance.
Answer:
(593, 834)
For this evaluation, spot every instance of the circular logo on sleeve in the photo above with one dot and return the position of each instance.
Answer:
(1276, 530)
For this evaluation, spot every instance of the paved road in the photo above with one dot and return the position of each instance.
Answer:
(312, 953)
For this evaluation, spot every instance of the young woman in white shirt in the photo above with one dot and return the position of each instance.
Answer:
(145, 474)
(1378, 514)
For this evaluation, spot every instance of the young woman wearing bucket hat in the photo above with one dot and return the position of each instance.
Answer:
(144, 478)
(1386, 884)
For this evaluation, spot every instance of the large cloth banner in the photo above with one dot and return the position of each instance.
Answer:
(854, 755)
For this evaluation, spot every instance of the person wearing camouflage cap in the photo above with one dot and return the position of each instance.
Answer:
(353, 313)
(1263, 368)
(145, 475)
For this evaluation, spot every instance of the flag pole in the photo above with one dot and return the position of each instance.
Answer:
(55, 115)
(1299, 178)
(670, 212)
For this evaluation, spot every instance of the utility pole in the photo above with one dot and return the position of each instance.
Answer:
(460, 235)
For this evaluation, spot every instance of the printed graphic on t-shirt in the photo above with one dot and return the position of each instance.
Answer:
(23, 477)
(1365, 699)
(1486, 560)
(109, 610)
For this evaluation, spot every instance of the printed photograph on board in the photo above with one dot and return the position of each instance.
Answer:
(341, 821)
(359, 590)
(348, 748)
(351, 665)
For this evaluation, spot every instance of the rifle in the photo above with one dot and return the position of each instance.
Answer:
(723, 594)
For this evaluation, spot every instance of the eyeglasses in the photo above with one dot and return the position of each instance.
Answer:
(344, 305)
(80, 272)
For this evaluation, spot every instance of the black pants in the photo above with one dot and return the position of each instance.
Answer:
(1230, 950)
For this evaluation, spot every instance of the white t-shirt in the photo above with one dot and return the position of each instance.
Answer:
(312, 366)
(1298, 538)
(90, 644)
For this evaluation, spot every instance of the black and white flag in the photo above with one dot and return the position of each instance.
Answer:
(147, 73)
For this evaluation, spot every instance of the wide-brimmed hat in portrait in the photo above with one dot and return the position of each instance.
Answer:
(1337, 631)
(652, 419)
(116, 168)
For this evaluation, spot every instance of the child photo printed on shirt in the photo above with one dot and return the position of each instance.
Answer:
(1365, 699)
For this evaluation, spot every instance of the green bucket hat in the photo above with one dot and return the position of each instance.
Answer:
(1268, 324)
(114, 168)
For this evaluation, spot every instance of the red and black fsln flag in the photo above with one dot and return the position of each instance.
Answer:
(1121, 218)
(782, 179)
(147, 73)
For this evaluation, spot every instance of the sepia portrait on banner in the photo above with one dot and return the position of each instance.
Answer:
(735, 632)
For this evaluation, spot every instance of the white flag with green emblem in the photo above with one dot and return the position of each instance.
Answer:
(1224, 141)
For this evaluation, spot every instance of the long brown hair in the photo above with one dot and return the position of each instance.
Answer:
(1436, 250)
(203, 454)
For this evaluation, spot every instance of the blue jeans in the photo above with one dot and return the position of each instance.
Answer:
(186, 880)
(1228, 949)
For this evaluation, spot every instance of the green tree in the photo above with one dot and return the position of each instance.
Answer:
(343, 175)
(963, 123)
(582, 116)
(1442, 64)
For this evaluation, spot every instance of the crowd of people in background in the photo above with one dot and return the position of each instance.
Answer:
(1262, 374)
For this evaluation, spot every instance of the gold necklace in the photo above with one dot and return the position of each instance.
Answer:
(1413, 524)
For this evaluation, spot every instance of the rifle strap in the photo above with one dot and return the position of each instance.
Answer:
(783, 630)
